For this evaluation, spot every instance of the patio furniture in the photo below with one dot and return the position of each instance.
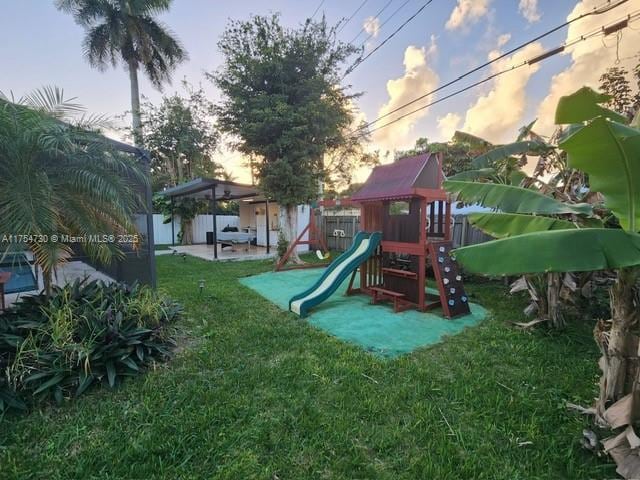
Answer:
(4, 279)
(230, 239)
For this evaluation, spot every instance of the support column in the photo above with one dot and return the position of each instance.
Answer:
(447, 221)
(173, 233)
(215, 221)
(422, 264)
(266, 203)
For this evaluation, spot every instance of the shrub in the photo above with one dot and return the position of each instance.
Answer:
(283, 244)
(82, 334)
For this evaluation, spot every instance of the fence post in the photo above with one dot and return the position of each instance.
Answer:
(463, 237)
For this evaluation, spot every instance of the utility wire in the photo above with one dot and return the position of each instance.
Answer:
(317, 8)
(596, 11)
(389, 37)
(615, 27)
(352, 15)
(375, 16)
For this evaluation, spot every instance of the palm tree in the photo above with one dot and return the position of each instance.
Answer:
(126, 31)
(61, 179)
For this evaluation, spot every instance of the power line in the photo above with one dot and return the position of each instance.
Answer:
(375, 16)
(317, 8)
(620, 25)
(596, 11)
(352, 15)
(389, 37)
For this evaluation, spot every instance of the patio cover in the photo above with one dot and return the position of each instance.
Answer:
(215, 190)
(212, 188)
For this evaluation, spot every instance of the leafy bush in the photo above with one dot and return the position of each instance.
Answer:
(84, 333)
(283, 245)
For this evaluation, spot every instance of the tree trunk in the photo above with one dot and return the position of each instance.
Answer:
(136, 116)
(187, 232)
(288, 221)
(619, 345)
(554, 284)
(47, 281)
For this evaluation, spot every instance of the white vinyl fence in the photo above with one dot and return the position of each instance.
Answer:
(201, 225)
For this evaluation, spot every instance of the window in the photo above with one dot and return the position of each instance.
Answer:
(399, 208)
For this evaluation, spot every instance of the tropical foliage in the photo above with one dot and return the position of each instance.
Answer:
(598, 143)
(61, 179)
(457, 154)
(127, 32)
(83, 334)
(181, 137)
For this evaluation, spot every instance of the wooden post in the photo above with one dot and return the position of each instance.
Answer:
(173, 233)
(266, 202)
(364, 211)
(215, 222)
(447, 221)
(422, 266)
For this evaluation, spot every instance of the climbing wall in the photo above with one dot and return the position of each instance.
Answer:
(449, 280)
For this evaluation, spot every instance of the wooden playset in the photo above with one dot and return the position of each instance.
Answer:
(313, 239)
(406, 202)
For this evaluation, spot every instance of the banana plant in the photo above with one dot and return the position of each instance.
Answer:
(503, 164)
(598, 143)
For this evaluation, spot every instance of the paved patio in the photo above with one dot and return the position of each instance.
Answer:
(237, 253)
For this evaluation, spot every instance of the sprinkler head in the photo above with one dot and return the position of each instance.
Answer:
(201, 286)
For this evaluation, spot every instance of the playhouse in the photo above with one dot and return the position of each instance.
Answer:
(406, 202)
(404, 243)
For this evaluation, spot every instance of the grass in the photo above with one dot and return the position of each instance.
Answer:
(255, 392)
(162, 246)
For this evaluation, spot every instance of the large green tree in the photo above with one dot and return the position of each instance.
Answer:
(57, 179)
(181, 136)
(127, 32)
(283, 102)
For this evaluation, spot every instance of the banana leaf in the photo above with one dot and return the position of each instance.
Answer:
(583, 105)
(501, 225)
(578, 250)
(609, 153)
(510, 199)
(471, 175)
(504, 151)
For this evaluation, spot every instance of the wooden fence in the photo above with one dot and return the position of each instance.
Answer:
(339, 231)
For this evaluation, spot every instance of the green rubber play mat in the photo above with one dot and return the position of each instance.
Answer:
(376, 328)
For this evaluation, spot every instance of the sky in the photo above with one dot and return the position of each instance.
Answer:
(40, 45)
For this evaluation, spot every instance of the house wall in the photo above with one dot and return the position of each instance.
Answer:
(201, 225)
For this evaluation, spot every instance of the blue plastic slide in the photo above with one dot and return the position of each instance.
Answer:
(364, 244)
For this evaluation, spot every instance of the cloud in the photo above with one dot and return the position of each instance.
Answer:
(448, 125)
(529, 10)
(503, 39)
(589, 59)
(418, 78)
(497, 114)
(371, 25)
(467, 12)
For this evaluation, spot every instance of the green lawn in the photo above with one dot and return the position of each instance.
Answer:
(254, 392)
